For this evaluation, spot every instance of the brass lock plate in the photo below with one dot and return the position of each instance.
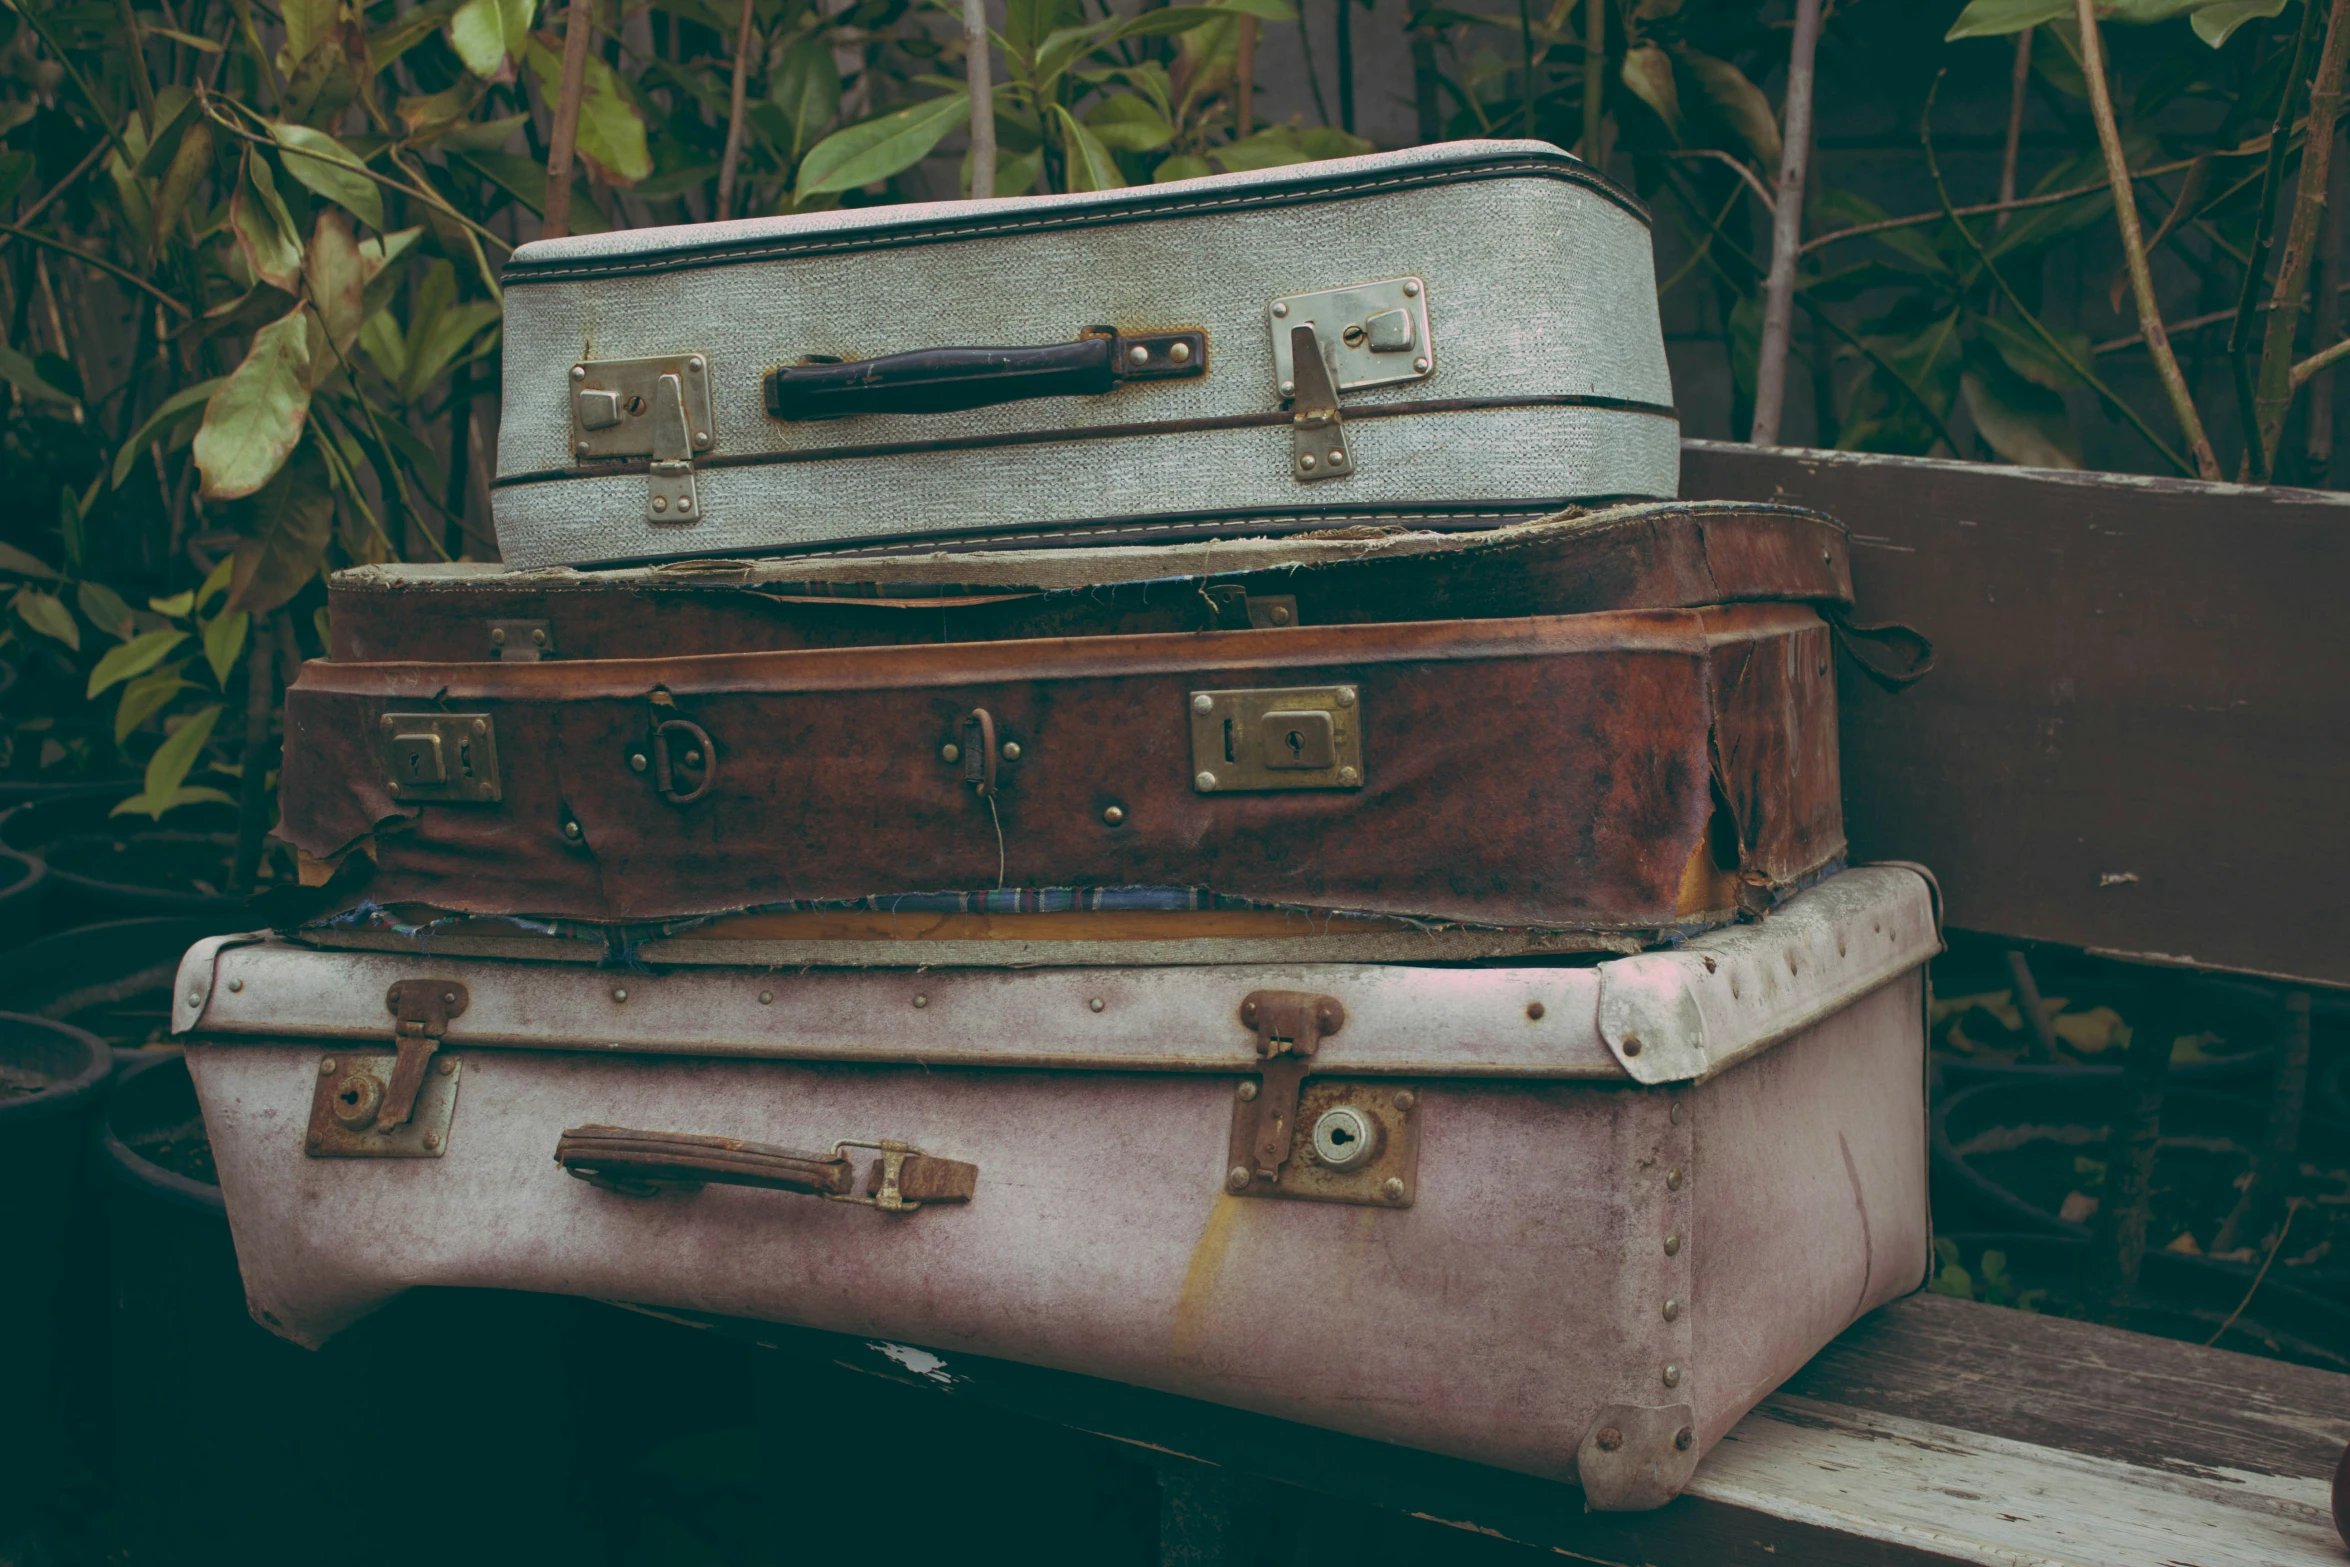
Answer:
(449, 757)
(1355, 1142)
(350, 1086)
(1280, 737)
(1374, 334)
(620, 408)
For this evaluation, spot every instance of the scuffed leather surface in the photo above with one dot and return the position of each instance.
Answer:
(1554, 772)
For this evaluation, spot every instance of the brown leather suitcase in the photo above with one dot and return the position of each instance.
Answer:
(1623, 774)
(1669, 555)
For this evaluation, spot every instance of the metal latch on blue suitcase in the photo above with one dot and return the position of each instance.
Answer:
(1338, 340)
(657, 408)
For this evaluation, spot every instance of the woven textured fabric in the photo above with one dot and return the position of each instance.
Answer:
(1540, 287)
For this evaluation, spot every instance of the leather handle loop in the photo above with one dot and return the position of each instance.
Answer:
(979, 752)
(639, 1164)
(942, 380)
(665, 778)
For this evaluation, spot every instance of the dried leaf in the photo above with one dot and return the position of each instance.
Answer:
(253, 419)
(286, 532)
(308, 24)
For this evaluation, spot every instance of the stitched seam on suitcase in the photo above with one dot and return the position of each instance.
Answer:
(520, 273)
(1098, 432)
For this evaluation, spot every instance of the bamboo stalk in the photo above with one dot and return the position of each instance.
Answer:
(731, 159)
(2263, 224)
(1594, 83)
(1244, 80)
(2125, 211)
(2325, 327)
(2019, 85)
(979, 72)
(578, 27)
(1770, 381)
(2272, 396)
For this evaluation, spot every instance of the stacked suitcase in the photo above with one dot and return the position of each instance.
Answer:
(1234, 848)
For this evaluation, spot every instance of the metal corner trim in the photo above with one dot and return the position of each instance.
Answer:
(191, 992)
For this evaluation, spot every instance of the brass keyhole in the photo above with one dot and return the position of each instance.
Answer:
(465, 758)
(635, 404)
(415, 765)
(1354, 336)
(1297, 742)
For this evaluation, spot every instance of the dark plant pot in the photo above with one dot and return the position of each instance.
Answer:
(113, 979)
(1961, 1117)
(2179, 1297)
(52, 1078)
(105, 867)
(231, 1444)
(2187, 1003)
(24, 880)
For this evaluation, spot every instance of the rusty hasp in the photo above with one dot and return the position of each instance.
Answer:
(1290, 1026)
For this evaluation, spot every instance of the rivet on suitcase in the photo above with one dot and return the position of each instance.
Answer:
(1572, 1221)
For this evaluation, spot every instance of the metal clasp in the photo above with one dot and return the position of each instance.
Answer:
(702, 758)
(1290, 1026)
(659, 408)
(893, 1165)
(1338, 340)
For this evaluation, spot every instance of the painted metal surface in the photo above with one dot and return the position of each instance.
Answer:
(1572, 1247)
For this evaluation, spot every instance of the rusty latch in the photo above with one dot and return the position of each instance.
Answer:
(1290, 1026)
(423, 1008)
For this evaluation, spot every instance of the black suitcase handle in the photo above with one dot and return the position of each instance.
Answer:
(946, 380)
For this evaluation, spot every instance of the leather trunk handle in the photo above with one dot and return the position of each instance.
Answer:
(640, 1163)
(946, 380)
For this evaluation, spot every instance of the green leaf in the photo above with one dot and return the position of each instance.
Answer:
(168, 768)
(26, 377)
(1648, 71)
(48, 616)
(146, 696)
(135, 657)
(1183, 166)
(103, 607)
(264, 229)
(489, 35)
(2023, 423)
(1274, 147)
(309, 23)
(1325, 141)
(180, 603)
(611, 130)
(69, 528)
(158, 423)
(331, 169)
(2214, 23)
(881, 148)
(176, 109)
(1128, 122)
(152, 806)
(1090, 165)
(1995, 18)
(338, 279)
(15, 169)
(286, 532)
(806, 87)
(1844, 209)
(406, 32)
(224, 641)
(190, 164)
(215, 583)
(2027, 355)
(254, 417)
(24, 565)
(1739, 103)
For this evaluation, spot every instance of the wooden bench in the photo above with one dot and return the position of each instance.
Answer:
(1933, 1431)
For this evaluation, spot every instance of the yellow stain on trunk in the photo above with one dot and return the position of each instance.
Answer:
(1188, 1332)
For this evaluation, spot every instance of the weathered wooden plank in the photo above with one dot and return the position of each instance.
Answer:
(2135, 735)
(1935, 1431)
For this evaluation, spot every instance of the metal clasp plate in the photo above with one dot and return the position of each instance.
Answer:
(886, 1194)
(1284, 737)
(659, 408)
(447, 757)
(1372, 334)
